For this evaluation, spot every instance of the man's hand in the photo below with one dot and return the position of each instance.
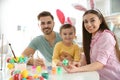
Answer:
(38, 62)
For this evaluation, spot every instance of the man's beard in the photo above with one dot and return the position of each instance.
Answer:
(47, 31)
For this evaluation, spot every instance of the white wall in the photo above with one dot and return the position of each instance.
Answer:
(103, 6)
(24, 13)
(0, 20)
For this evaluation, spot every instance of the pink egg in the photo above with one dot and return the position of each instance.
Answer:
(8, 60)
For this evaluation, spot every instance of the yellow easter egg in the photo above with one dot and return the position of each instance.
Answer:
(22, 56)
(35, 76)
(16, 59)
(11, 78)
(39, 69)
(24, 73)
(10, 66)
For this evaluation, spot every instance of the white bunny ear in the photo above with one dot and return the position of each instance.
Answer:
(79, 7)
(71, 20)
(92, 4)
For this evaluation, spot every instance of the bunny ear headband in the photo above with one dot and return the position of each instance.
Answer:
(64, 20)
(82, 8)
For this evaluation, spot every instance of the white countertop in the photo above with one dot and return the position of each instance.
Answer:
(4, 75)
(76, 76)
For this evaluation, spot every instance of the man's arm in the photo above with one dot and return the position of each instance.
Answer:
(29, 52)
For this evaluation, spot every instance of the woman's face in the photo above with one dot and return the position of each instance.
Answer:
(91, 23)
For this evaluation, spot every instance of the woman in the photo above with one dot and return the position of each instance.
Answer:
(100, 48)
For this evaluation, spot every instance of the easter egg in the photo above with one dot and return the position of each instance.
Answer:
(45, 75)
(35, 76)
(12, 61)
(53, 70)
(38, 69)
(10, 66)
(30, 78)
(65, 62)
(16, 77)
(41, 78)
(24, 73)
(16, 59)
(11, 78)
(8, 60)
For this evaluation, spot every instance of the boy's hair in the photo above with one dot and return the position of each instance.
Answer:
(44, 14)
(66, 26)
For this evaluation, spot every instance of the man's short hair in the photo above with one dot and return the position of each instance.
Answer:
(45, 13)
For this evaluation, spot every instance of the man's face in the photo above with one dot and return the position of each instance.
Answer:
(46, 24)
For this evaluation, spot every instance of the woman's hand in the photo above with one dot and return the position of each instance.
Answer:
(77, 64)
(71, 68)
(90, 67)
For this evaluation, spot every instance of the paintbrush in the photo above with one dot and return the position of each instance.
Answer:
(12, 51)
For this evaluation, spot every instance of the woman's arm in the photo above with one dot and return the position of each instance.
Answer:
(91, 67)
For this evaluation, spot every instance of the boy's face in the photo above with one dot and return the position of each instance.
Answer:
(67, 35)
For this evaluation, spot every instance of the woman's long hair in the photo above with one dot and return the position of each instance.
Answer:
(87, 36)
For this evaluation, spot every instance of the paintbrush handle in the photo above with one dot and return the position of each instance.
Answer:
(12, 50)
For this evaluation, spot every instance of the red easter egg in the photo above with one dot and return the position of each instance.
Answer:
(30, 78)
(41, 78)
(16, 77)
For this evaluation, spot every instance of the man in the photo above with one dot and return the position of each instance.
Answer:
(44, 43)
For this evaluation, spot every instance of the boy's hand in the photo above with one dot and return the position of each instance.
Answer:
(65, 55)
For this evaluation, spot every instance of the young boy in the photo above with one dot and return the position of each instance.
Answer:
(66, 49)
